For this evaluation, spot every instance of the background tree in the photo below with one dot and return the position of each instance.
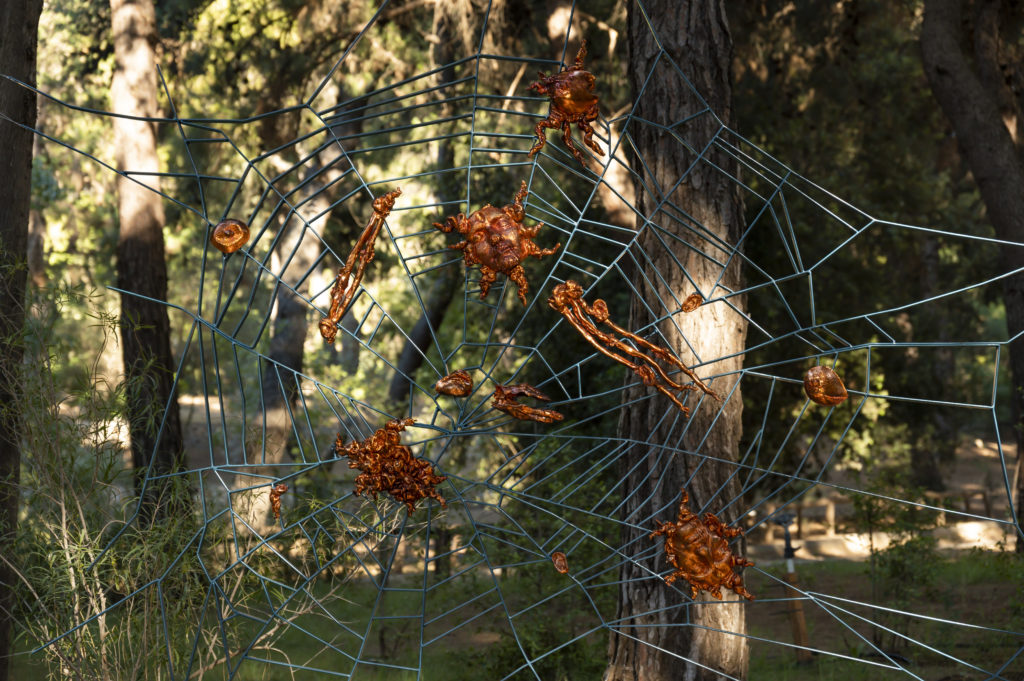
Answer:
(696, 35)
(982, 101)
(152, 406)
(18, 106)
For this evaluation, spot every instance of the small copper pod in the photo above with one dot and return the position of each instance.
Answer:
(824, 386)
(275, 498)
(230, 235)
(692, 302)
(457, 384)
(560, 561)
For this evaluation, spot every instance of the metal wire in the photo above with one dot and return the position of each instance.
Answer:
(557, 475)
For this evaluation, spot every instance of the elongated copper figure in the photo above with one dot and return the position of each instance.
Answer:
(457, 384)
(560, 561)
(567, 300)
(505, 397)
(389, 466)
(362, 253)
(275, 498)
(229, 235)
(824, 386)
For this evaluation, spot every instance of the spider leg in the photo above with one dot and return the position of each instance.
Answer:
(453, 223)
(567, 138)
(588, 130)
(518, 277)
(554, 120)
(487, 277)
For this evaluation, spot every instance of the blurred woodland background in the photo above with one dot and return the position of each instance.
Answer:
(837, 91)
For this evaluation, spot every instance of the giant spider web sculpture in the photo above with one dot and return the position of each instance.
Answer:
(417, 584)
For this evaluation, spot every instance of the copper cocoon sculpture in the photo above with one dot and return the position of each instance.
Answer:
(560, 561)
(229, 235)
(824, 386)
(457, 384)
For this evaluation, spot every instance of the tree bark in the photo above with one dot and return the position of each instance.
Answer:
(153, 419)
(972, 99)
(652, 615)
(18, 60)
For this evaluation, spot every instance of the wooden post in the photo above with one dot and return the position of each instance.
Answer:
(796, 617)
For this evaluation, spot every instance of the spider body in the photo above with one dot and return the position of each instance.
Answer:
(698, 548)
(497, 240)
(229, 235)
(571, 91)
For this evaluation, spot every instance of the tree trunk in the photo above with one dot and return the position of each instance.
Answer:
(971, 100)
(18, 60)
(153, 420)
(443, 289)
(651, 639)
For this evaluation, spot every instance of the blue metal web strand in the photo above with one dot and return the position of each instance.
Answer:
(516, 493)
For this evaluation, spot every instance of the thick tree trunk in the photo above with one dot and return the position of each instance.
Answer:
(695, 35)
(18, 60)
(972, 101)
(153, 420)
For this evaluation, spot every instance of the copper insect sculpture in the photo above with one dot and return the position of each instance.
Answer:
(824, 386)
(505, 399)
(692, 302)
(389, 466)
(362, 253)
(571, 91)
(229, 235)
(275, 498)
(698, 549)
(560, 561)
(567, 300)
(497, 241)
(457, 384)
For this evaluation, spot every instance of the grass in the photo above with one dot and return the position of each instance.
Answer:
(977, 587)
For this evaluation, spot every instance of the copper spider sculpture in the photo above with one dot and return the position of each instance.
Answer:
(389, 466)
(275, 498)
(698, 548)
(571, 91)
(497, 240)
(506, 396)
(362, 253)
(567, 300)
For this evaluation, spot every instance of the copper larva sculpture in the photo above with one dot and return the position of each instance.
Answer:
(362, 253)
